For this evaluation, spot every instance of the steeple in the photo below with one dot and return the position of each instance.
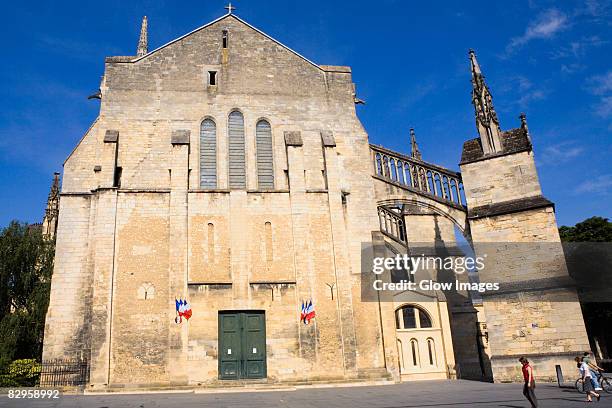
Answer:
(49, 225)
(143, 41)
(486, 117)
(414, 148)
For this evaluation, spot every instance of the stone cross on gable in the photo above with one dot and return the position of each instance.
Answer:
(230, 8)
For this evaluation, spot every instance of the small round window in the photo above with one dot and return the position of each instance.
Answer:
(412, 317)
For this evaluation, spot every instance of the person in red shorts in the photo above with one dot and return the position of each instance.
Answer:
(529, 387)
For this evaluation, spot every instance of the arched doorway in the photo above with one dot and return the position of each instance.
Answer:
(420, 342)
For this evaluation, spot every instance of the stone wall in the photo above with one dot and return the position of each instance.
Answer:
(500, 179)
(66, 325)
(158, 236)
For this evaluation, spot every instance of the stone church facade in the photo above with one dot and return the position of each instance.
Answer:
(226, 169)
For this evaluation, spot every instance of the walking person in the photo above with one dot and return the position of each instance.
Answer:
(529, 387)
(585, 373)
(587, 357)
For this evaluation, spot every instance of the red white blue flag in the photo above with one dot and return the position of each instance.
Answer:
(183, 309)
(307, 312)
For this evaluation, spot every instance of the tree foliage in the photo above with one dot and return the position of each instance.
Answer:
(592, 263)
(26, 265)
(21, 373)
(594, 229)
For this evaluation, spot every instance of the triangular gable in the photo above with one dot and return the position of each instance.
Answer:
(216, 21)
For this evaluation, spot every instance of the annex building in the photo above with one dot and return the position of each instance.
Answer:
(228, 170)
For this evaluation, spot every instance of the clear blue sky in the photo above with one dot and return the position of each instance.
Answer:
(409, 62)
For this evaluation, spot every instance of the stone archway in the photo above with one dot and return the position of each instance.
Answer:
(456, 216)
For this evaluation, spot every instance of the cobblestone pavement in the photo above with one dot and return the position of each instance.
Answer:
(413, 394)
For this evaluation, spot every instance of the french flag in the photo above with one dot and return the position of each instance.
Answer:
(183, 308)
(308, 312)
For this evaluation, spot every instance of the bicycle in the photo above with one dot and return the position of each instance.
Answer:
(606, 383)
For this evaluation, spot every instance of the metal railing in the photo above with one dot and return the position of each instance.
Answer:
(56, 373)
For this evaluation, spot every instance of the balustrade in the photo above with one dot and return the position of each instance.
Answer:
(392, 224)
(419, 175)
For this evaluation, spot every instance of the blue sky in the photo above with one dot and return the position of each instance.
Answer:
(409, 60)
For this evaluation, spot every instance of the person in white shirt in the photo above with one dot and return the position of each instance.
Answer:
(585, 373)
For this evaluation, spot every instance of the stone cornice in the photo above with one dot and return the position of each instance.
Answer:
(509, 207)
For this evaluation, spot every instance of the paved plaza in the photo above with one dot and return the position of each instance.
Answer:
(413, 394)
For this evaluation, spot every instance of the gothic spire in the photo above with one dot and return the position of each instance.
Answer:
(143, 41)
(414, 148)
(486, 117)
(49, 225)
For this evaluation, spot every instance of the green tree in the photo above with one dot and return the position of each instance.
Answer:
(26, 265)
(592, 264)
(594, 229)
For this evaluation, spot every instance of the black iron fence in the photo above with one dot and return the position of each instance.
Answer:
(57, 373)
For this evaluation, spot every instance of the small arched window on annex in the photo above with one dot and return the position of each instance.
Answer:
(412, 317)
(236, 147)
(208, 154)
(414, 351)
(265, 157)
(431, 351)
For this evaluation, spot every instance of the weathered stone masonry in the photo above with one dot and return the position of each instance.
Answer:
(136, 229)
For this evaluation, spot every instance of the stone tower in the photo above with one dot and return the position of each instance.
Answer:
(536, 312)
(49, 225)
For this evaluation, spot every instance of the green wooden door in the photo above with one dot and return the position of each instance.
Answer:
(242, 345)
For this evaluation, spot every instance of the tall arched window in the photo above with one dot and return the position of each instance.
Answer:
(265, 167)
(208, 154)
(237, 172)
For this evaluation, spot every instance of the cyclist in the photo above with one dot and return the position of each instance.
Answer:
(585, 373)
(587, 358)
